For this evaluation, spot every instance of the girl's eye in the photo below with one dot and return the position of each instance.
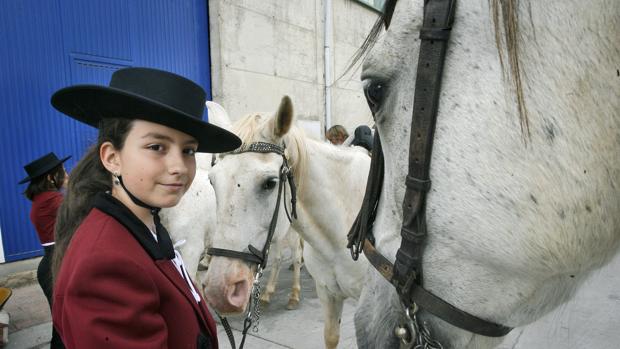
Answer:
(190, 151)
(270, 183)
(156, 147)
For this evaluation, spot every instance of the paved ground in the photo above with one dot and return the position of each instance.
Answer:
(591, 320)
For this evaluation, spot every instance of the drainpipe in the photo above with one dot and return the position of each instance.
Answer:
(328, 62)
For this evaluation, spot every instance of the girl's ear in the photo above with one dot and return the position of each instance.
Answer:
(110, 157)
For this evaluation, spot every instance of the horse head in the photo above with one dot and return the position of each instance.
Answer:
(525, 167)
(247, 183)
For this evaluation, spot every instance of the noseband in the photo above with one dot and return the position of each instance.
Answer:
(256, 256)
(406, 273)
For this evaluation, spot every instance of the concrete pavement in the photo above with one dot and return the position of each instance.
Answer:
(590, 320)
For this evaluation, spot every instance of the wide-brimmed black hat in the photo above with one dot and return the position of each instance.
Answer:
(41, 166)
(147, 94)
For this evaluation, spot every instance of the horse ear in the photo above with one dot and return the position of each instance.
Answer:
(218, 115)
(284, 117)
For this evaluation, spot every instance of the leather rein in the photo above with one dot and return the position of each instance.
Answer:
(256, 256)
(406, 272)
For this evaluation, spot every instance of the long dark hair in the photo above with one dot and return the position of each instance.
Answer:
(42, 184)
(88, 178)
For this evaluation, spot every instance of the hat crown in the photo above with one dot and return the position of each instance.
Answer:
(162, 87)
(43, 162)
(42, 166)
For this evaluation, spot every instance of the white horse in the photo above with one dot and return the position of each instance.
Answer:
(525, 199)
(192, 222)
(330, 183)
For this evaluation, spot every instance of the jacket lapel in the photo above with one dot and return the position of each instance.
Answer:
(168, 269)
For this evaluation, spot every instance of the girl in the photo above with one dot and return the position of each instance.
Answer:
(119, 281)
(47, 176)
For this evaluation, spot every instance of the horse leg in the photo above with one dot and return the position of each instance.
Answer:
(273, 275)
(293, 299)
(332, 311)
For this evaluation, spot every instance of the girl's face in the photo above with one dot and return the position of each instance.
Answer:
(157, 164)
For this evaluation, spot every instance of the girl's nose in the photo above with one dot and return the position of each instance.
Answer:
(176, 164)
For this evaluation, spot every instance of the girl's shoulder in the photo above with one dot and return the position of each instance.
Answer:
(47, 196)
(100, 231)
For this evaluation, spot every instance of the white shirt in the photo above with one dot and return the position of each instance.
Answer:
(180, 265)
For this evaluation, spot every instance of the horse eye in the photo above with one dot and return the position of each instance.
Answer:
(374, 92)
(270, 183)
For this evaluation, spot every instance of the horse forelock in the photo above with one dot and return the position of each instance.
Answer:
(257, 127)
(382, 22)
(506, 25)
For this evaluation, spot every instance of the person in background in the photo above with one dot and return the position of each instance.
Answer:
(336, 134)
(363, 137)
(119, 282)
(47, 176)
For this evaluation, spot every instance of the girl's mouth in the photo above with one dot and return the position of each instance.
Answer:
(173, 186)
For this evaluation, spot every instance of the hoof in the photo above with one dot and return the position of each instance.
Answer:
(292, 304)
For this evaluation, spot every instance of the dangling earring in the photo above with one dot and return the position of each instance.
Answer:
(116, 180)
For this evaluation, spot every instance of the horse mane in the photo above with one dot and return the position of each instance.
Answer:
(256, 127)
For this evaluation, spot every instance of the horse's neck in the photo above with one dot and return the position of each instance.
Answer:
(330, 194)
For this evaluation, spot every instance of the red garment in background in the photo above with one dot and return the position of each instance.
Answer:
(43, 214)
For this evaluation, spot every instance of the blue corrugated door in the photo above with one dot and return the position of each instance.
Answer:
(46, 45)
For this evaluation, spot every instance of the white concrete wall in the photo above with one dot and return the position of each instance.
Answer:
(261, 50)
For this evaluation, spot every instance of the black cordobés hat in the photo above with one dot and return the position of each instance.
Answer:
(41, 166)
(151, 95)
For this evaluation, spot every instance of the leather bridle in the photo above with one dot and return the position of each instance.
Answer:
(406, 272)
(254, 255)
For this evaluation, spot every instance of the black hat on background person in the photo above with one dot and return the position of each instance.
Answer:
(41, 166)
(363, 137)
(151, 95)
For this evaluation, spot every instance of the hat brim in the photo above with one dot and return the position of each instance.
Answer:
(44, 170)
(91, 103)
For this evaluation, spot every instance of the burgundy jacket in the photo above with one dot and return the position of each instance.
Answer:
(117, 288)
(43, 214)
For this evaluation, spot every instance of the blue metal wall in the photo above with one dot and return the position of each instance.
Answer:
(46, 45)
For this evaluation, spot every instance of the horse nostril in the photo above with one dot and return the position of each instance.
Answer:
(239, 294)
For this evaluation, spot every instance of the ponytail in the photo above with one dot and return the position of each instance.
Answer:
(88, 178)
